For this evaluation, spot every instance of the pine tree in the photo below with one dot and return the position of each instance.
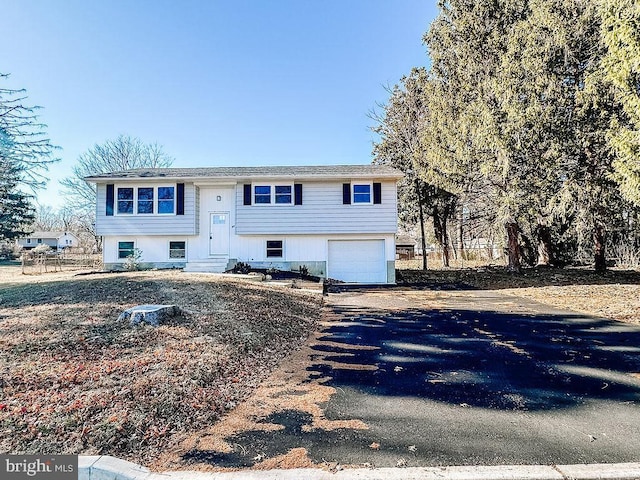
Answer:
(621, 66)
(25, 153)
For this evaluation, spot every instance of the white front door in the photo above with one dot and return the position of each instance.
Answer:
(219, 233)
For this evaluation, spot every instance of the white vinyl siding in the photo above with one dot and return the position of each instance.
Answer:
(322, 211)
(161, 224)
(153, 249)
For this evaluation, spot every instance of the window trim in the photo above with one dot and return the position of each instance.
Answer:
(353, 193)
(272, 194)
(119, 249)
(267, 248)
(177, 259)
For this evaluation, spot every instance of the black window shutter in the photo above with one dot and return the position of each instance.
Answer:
(180, 199)
(247, 194)
(110, 199)
(297, 193)
(377, 193)
(346, 193)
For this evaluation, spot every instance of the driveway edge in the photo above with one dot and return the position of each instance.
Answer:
(112, 468)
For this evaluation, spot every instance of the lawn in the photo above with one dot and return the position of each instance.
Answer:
(613, 294)
(76, 380)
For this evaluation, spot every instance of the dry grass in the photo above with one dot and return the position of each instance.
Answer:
(613, 294)
(74, 380)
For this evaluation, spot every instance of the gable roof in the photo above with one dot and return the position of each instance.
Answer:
(55, 235)
(405, 240)
(239, 173)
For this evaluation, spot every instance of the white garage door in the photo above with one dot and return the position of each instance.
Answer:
(357, 261)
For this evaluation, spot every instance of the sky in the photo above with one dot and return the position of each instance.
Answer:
(216, 83)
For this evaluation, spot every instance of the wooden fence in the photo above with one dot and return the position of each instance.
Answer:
(39, 263)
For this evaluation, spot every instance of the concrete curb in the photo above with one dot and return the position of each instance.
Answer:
(111, 468)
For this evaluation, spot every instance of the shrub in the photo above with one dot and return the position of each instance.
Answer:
(132, 263)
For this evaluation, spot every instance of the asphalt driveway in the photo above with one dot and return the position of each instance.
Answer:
(461, 378)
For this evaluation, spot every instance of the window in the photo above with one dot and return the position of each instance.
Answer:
(219, 219)
(274, 249)
(283, 194)
(125, 249)
(262, 194)
(39, 240)
(166, 199)
(125, 200)
(177, 249)
(272, 194)
(28, 240)
(362, 193)
(145, 200)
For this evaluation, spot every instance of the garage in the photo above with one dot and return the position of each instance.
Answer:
(357, 261)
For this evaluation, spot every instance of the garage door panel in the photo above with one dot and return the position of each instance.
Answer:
(357, 261)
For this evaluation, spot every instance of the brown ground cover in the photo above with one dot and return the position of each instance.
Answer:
(613, 294)
(75, 380)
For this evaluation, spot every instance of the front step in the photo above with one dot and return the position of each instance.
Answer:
(210, 265)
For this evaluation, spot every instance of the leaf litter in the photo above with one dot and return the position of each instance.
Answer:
(75, 381)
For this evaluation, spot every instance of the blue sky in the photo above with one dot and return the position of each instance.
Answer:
(216, 83)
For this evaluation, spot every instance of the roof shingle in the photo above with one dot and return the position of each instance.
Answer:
(321, 171)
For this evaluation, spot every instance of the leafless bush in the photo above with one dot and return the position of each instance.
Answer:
(626, 255)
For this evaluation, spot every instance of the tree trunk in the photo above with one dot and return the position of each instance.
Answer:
(545, 248)
(440, 230)
(445, 248)
(513, 247)
(423, 239)
(461, 232)
(599, 247)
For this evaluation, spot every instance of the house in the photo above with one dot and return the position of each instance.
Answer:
(55, 240)
(336, 221)
(405, 248)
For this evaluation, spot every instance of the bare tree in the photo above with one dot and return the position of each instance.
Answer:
(122, 153)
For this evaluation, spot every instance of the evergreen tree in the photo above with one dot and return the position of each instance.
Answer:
(25, 153)
(621, 66)
(467, 129)
(16, 210)
(400, 146)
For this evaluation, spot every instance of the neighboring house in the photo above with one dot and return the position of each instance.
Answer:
(55, 240)
(405, 248)
(337, 221)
